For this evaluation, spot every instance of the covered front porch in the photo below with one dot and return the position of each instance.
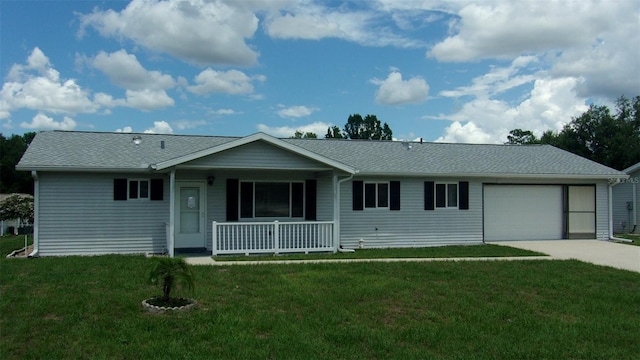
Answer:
(256, 195)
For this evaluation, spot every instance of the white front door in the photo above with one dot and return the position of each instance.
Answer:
(190, 215)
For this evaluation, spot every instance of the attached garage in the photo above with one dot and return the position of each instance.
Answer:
(522, 212)
(538, 212)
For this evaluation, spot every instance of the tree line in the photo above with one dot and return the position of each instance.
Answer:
(611, 138)
(11, 150)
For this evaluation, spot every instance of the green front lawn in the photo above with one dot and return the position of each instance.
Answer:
(8, 243)
(485, 250)
(89, 307)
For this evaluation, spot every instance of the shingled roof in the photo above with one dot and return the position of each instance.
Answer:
(94, 151)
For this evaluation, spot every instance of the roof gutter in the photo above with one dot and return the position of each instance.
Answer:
(611, 237)
(503, 176)
(36, 214)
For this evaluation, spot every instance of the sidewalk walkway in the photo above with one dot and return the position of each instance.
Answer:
(606, 253)
(202, 260)
(619, 256)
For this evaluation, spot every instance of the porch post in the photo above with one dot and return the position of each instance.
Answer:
(172, 212)
(214, 238)
(336, 213)
(276, 237)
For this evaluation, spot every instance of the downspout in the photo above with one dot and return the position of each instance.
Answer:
(635, 206)
(611, 237)
(36, 214)
(336, 214)
(172, 213)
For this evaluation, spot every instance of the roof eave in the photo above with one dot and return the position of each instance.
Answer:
(142, 169)
(632, 168)
(504, 175)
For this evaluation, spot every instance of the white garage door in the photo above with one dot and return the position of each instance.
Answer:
(522, 212)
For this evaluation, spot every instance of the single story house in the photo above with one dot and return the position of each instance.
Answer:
(626, 198)
(99, 193)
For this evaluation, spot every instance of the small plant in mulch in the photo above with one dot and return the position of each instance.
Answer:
(170, 274)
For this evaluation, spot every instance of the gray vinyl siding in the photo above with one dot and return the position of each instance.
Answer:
(623, 193)
(257, 155)
(78, 216)
(411, 226)
(602, 210)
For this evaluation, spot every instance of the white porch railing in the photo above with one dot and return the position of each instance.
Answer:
(272, 237)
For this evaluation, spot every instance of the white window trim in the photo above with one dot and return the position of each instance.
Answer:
(268, 218)
(376, 183)
(446, 195)
(148, 181)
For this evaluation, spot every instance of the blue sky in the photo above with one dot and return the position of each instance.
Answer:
(454, 71)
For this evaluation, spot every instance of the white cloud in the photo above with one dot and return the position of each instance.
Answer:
(126, 129)
(550, 104)
(160, 127)
(148, 99)
(224, 112)
(319, 128)
(38, 86)
(395, 91)
(125, 71)
(229, 82)
(188, 124)
(314, 22)
(43, 122)
(468, 133)
(497, 80)
(582, 39)
(198, 31)
(486, 30)
(297, 111)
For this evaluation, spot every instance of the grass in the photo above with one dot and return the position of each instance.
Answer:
(8, 243)
(89, 307)
(486, 250)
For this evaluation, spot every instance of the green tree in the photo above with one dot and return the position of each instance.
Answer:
(308, 135)
(170, 272)
(17, 206)
(369, 128)
(334, 132)
(612, 139)
(521, 137)
(11, 150)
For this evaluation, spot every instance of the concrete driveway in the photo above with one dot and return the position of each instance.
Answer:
(619, 256)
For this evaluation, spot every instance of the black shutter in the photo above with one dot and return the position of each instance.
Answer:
(119, 189)
(357, 192)
(246, 200)
(157, 189)
(310, 212)
(395, 195)
(232, 199)
(428, 195)
(463, 195)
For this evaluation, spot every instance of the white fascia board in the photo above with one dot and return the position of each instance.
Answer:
(249, 139)
(142, 169)
(632, 168)
(502, 176)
